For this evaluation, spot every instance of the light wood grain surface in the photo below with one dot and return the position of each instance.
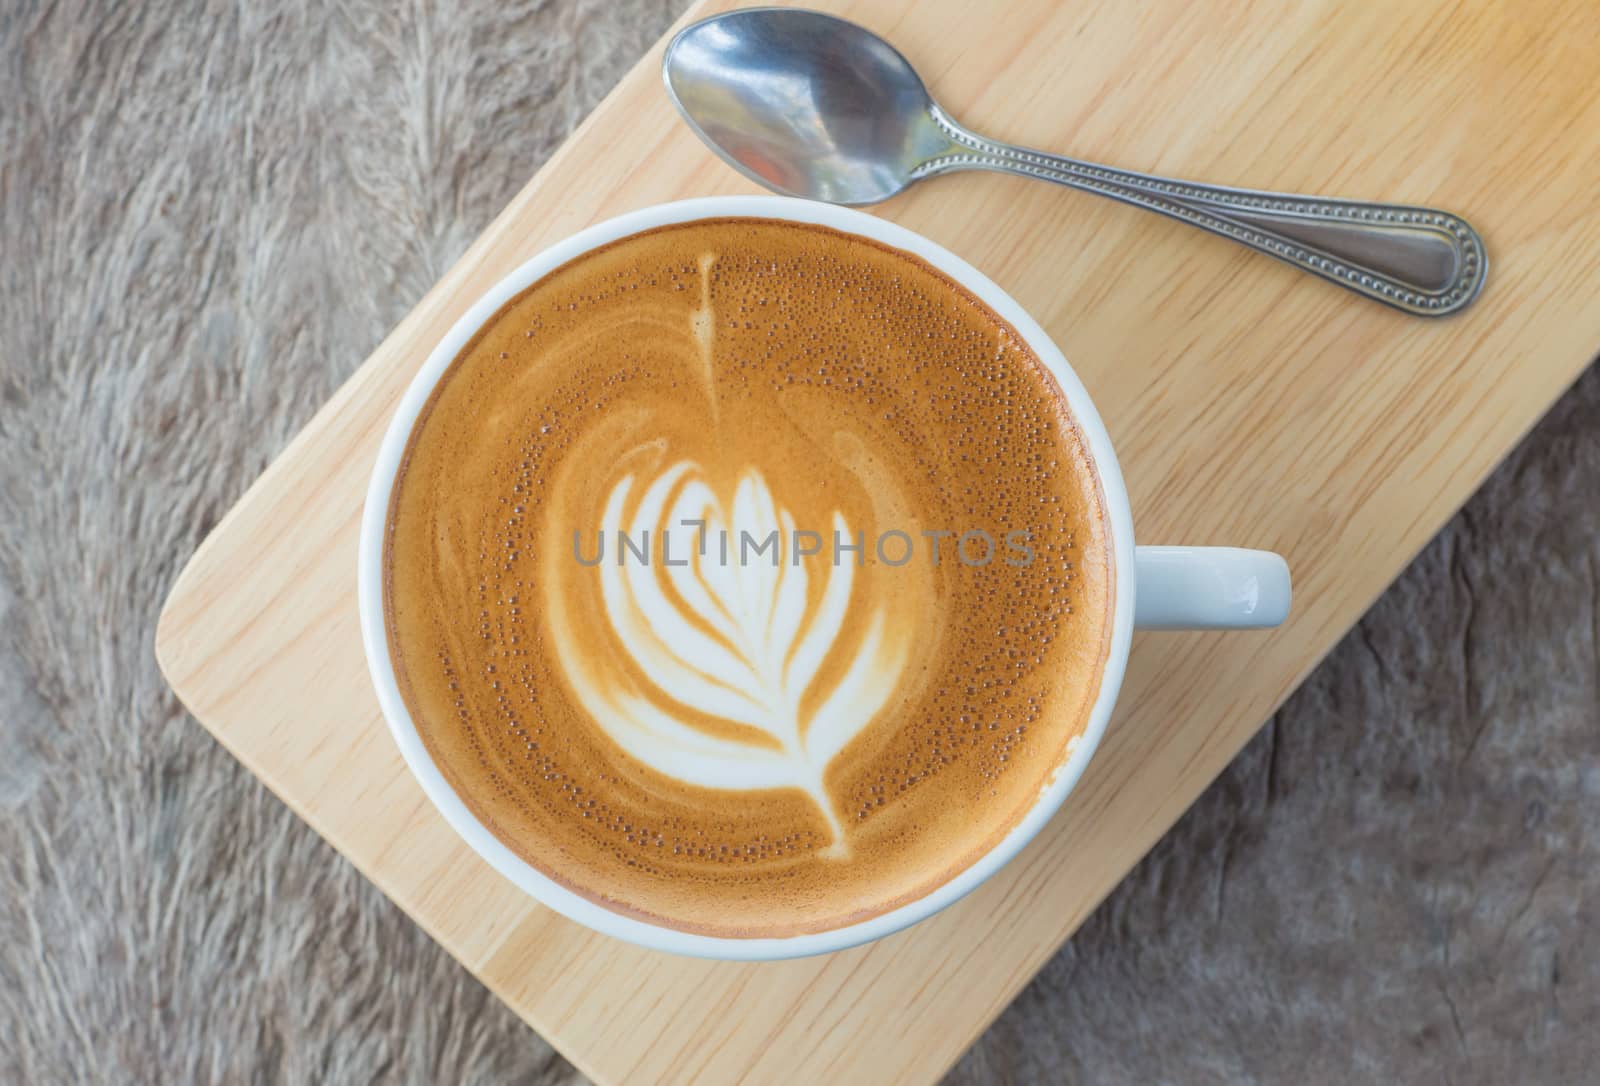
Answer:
(1251, 405)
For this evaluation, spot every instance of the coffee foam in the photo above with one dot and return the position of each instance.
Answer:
(726, 642)
(735, 747)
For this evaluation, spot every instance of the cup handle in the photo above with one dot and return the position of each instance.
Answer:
(1209, 588)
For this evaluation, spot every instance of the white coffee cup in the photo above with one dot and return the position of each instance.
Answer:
(1153, 587)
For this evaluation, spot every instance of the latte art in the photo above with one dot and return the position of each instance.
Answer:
(650, 590)
(740, 642)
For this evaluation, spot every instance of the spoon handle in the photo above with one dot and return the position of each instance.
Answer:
(1417, 259)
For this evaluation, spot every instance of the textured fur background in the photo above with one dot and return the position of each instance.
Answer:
(209, 214)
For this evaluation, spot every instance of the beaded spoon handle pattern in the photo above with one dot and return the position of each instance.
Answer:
(1421, 260)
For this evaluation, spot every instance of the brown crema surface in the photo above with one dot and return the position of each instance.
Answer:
(726, 742)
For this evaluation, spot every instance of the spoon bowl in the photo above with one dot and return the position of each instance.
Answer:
(803, 103)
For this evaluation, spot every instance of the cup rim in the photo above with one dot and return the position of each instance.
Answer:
(591, 914)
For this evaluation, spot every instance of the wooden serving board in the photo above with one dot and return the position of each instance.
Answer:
(1251, 405)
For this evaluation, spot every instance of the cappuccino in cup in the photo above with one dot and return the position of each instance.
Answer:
(747, 577)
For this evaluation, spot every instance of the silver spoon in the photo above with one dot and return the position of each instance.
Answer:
(811, 105)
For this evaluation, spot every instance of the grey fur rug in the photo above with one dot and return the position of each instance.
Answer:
(208, 217)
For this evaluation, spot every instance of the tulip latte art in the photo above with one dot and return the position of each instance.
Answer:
(747, 577)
